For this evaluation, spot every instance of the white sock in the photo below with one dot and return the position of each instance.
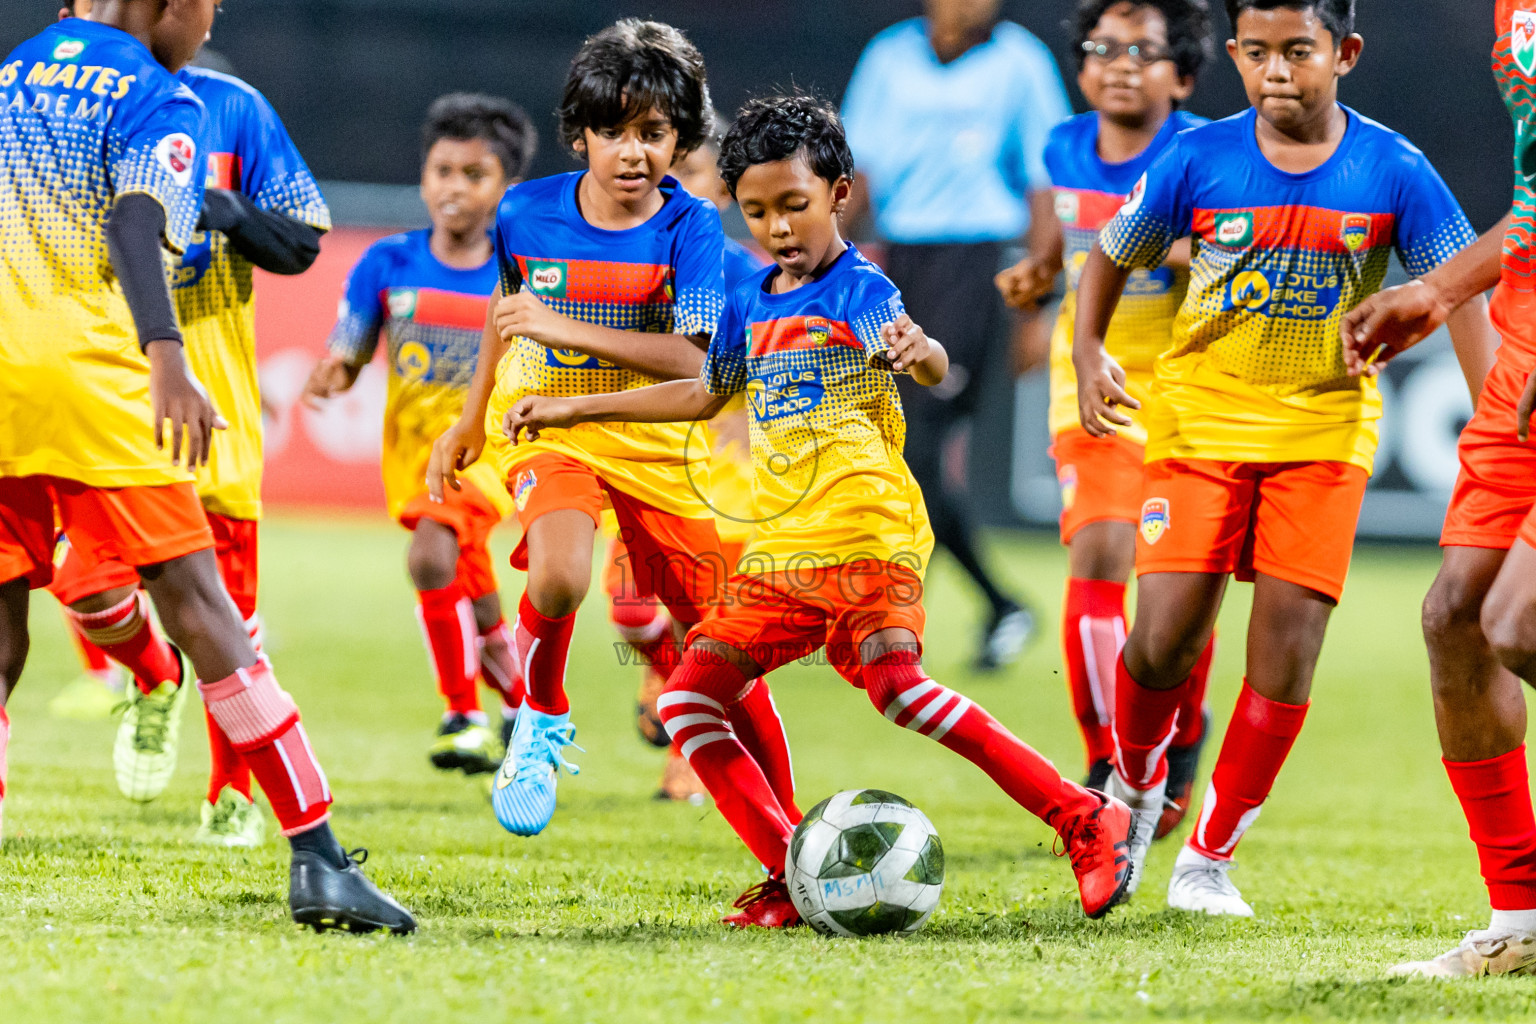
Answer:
(1513, 921)
(1189, 858)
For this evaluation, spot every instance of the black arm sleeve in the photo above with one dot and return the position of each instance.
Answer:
(133, 245)
(275, 243)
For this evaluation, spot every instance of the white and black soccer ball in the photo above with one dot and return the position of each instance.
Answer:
(865, 862)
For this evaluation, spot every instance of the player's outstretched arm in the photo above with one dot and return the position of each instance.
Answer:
(670, 402)
(331, 376)
(1396, 319)
(1100, 380)
(909, 350)
(134, 232)
(1475, 341)
(276, 243)
(461, 444)
(668, 356)
(1031, 279)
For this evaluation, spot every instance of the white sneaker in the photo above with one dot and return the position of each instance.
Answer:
(1491, 951)
(1146, 809)
(1201, 886)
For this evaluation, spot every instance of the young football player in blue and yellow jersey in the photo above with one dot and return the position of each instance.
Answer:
(730, 489)
(261, 207)
(428, 291)
(1137, 62)
(612, 279)
(839, 555)
(104, 162)
(1259, 442)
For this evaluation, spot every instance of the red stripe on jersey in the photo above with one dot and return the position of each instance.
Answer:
(223, 170)
(1309, 228)
(791, 333)
(622, 284)
(450, 309)
(1093, 209)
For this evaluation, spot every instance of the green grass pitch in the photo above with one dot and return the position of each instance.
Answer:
(107, 912)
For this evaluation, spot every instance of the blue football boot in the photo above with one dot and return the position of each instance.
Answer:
(524, 790)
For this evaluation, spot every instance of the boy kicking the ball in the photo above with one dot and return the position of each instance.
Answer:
(838, 558)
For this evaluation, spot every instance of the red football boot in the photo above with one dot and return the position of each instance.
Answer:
(1098, 843)
(765, 905)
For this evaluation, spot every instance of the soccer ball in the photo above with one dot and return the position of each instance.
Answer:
(865, 862)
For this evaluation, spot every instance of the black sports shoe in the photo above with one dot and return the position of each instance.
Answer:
(465, 745)
(1010, 628)
(1183, 763)
(322, 896)
(1098, 775)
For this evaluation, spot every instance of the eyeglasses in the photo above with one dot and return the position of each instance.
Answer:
(1109, 51)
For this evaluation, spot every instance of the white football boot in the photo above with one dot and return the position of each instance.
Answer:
(1201, 886)
(1492, 951)
(1146, 809)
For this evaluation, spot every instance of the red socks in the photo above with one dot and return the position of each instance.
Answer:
(1258, 740)
(5, 741)
(542, 645)
(901, 691)
(225, 765)
(262, 724)
(1093, 631)
(1192, 710)
(448, 623)
(1496, 798)
(92, 657)
(758, 726)
(1144, 724)
(498, 665)
(693, 710)
(125, 632)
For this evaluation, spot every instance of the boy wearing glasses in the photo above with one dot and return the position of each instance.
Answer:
(1259, 442)
(1137, 64)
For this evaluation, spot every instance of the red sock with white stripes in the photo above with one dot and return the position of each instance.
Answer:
(1495, 796)
(448, 623)
(262, 724)
(757, 724)
(126, 633)
(1092, 633)
(498, 665)
(542, 645)
(1144, 724)
(1191, 721)
(902, 691)
(693, 709)
(1259, 738)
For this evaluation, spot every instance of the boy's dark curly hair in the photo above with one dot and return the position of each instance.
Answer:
(1337, 16)
(627, 69)
(1188, 21)
(775, 128)
(503, 125)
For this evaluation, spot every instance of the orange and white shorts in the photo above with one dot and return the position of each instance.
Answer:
(1100, 479)
(1494, 501)
(134, 526)
(1294, 521)
(472, 518)
(780, 617)
(672, 558)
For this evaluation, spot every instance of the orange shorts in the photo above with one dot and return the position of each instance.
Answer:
(133, 525)
(783, 616)
(1494, 501)
(671, 558)
(1294, 521)
(472, 518)
(1100, 479)
(234, 542)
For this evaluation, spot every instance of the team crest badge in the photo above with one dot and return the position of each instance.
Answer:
(1356, 231)
(1522, 41)
(1067, 477)
(1154, 519)
(526, 482)
(819, 331)
(1133, 201)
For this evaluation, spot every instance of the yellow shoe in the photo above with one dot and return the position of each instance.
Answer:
(1480, 953)
(148, 738)
(465, 745)
(232, 821)
(89, 697)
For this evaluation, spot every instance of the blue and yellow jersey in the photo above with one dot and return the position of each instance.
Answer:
(1088, 193)
(730, 463)
(433, 318)
(665, 276)
(826, 424)
(86, 116)
(1255, 372)
(249, 151)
